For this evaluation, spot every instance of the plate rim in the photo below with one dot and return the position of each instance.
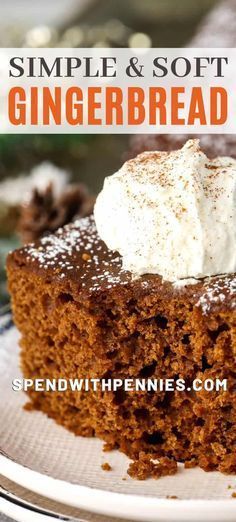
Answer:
(115, 504)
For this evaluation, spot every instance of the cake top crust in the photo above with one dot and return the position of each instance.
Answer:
(77, 255)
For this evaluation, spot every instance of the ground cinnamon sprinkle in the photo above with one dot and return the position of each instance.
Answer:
(146, 466)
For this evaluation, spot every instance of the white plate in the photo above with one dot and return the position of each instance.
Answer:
(23, 505)
(45, 458)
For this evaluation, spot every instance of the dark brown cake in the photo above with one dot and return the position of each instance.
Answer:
(80, 315)
(146, 466)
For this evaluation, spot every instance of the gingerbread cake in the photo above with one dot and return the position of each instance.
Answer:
(81, 315)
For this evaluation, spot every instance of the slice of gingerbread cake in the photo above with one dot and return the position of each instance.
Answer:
(98, 300)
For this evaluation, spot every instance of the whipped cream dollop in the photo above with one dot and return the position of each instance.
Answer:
(172, 214)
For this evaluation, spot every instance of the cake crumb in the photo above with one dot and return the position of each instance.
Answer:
(147, 466)
(106, 466)
(109, 446)
(192, 463)
(172, 496)
(233, 495)
(29, 406)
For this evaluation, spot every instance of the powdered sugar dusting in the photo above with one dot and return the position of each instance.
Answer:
(216, 291)
(77, 249)
(77, 253)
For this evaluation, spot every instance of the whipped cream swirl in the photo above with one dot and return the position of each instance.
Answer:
(172, 214)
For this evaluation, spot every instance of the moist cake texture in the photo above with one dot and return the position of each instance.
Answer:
(81, 316)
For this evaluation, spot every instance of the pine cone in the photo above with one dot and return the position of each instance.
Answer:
(45, 212)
